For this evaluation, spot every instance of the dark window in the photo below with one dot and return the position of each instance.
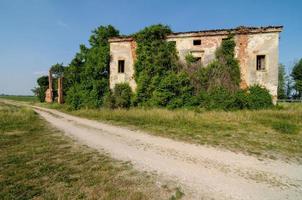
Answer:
(121, 66)
(197, 59)
(196, 42)
(260, 62)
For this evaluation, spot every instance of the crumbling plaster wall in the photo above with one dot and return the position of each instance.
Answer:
(263, 44)
(206, 50)
(122, 50)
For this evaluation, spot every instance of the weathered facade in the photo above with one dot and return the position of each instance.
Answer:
(256, 49)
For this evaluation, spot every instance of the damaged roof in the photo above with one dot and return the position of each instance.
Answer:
(211, 32)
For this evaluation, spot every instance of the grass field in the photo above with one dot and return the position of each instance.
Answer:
(37, 162)
(20, 98)
(273, 133)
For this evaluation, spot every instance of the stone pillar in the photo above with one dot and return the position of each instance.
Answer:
(49, 91)
(60, 91)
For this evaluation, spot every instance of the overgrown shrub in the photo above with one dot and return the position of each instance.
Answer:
(122, 95)
(224, 71)
(74, 97)
(109, 100)
(241, 100)
(259, 97)
(216, 98)
(173, 91)
(156, 58)
(254, 97)
(40, 91)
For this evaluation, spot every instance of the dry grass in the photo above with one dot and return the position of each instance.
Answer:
(273, 133)
(39, 162)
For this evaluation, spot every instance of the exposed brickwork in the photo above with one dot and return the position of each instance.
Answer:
(49, 91)
(60, 91)
(133, 50)
(242, 56)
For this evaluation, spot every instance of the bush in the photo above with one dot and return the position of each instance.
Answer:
(122, 95)
(74, 97)
(40, 91)
(108, 100)
(255, 97)
(156, 58)
(241, 100)
(217, 98)
(259, 97)
(174, 91)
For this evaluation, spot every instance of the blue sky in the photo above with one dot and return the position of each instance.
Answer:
(35, 34)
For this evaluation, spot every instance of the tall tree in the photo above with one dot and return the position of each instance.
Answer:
(57, 70)
(297, 76)
(281, 82)
(87, 72)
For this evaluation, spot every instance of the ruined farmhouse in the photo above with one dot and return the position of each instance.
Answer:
(256, 49)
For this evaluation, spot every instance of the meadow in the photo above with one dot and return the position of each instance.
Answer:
(20, 98)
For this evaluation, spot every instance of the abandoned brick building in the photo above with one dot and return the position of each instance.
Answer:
(256, 49)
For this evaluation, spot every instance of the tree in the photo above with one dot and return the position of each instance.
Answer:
(42, 87)
(156, 57)
(86, 75)
(288, 86)
(281, 82)
(297, 76)
(57, 70)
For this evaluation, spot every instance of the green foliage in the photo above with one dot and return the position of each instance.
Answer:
(255, 97)
(86, 78)
(122, 95)
(40, 91)
(224, 71)
(173, 91)
(74, 97)
(259, 97)
(297, 76)
(57, 70)
(109, 100)
(156, 58)
(216, 98)
(281, 82)
(190, 58)
(241, 100)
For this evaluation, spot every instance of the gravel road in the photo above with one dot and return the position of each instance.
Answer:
(202, 172)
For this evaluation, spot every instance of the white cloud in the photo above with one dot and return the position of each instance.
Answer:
(40, 73)
(62, 24)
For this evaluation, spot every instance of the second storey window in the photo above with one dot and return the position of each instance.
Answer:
(121, 66)
(196, 42)
(260, 63)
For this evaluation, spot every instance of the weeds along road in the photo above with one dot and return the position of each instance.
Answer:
(202, 172)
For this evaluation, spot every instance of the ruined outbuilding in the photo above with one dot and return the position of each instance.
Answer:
(49, 91)
(49, 94)
(257, 50)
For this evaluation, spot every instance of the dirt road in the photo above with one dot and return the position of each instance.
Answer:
(202, 172)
